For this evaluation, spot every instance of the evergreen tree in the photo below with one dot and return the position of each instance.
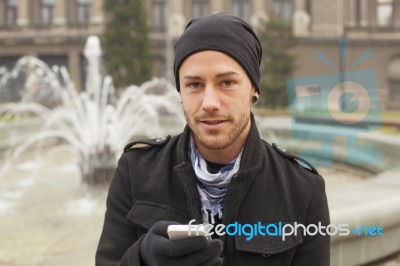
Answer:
(126, 42)
(278, 61)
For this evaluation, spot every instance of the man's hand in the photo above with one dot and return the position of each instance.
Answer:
(156, 249)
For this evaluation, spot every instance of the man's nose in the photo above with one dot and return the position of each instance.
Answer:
(211, 102)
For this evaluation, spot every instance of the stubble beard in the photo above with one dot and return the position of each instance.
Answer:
(218, 139)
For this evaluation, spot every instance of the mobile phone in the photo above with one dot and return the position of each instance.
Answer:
(181, 231)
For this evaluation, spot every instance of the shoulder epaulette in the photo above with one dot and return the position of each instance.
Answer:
(147, 144)
(292, 156)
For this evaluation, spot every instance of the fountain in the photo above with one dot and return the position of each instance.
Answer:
(95, 122)
(31, 80)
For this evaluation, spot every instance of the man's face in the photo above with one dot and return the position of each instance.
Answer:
(216, 96)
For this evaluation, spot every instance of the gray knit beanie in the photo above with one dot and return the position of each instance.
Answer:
(224, 33)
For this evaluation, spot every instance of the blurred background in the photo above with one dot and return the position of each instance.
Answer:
(79, 79)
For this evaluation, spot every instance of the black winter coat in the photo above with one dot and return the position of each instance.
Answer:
(156, 182)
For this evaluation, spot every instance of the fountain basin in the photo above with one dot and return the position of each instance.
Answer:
(372, 202)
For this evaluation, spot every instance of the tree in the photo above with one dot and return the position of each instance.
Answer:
(278, 61)
(126, 42)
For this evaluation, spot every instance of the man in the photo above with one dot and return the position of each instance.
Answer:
(217, 171)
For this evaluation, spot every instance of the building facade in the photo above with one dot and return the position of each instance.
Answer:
(52, 30)
(55, 31)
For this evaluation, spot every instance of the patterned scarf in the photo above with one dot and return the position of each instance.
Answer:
(212, 187)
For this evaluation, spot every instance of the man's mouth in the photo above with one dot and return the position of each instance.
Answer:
(212, 122)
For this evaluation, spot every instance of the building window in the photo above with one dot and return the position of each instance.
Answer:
(283, 8)
(394, 81)
(159, 15)
(309, 7)
(46, 11)
(394, 90)
(11, 12)
(384, 13)
(84, 10)
(358, 13)
(241, 9)
(200, 8)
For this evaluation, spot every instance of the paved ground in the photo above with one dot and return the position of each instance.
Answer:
(393, 260)
(46, 216)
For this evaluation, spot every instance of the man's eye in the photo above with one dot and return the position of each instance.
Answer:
(195, 85)
(227, 83)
